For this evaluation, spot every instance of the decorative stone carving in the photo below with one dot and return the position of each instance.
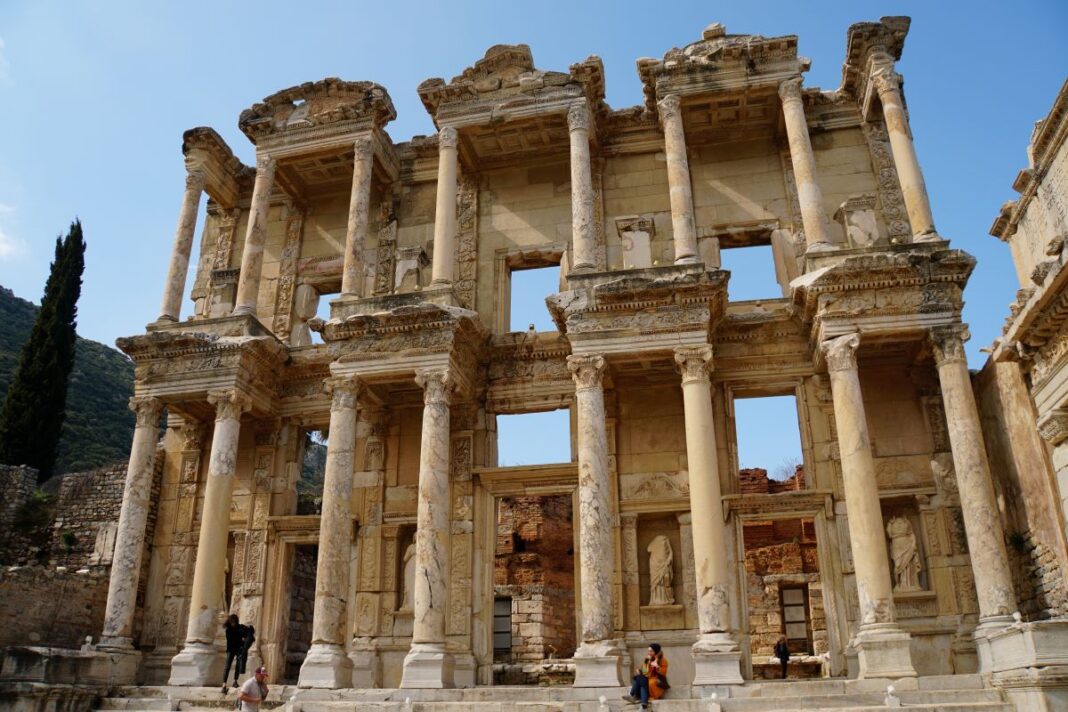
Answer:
(857, 217)
(636, 233)
(587, 371)
(905, 554)
(104, 546)
(408, 589)
(661, 573)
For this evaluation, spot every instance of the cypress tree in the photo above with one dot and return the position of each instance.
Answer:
(32, 417)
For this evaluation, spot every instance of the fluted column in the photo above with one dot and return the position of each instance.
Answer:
(982, 521)
(716, 653)
(597, 660)
(326, 664)
(583, 233)
(133, 517)
(678, 173)
(809, 195)
(198, 663)
(427, 664)
(248, 285)
(445, 212)
(356, 231)
(178, 269)
(883, 648)
(917, 204)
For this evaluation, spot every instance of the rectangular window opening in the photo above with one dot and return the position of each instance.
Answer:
(322, 310)
(312, 473)
(752, 269)
(529, 288)
(769, 444)
(534, 438)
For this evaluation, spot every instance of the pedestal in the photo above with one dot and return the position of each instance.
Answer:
(427, 666)
(600, 664)
(365, 668)
(717, 660)
(883, 653)
(326, 666)
(198, 665)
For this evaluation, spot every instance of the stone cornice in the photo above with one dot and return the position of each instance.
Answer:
(226, 177)
(315, 105)
(885, 38)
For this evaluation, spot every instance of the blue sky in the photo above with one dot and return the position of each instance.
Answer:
(95, 97)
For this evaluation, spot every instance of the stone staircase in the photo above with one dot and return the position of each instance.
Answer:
(959, 693)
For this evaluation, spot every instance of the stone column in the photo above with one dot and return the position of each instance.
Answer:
(809, 194)
(445, 212)
(599, 658)
(717, 657)
(199, 662)
(359, 205)
(327, 664)
(427, 663)
(171, 308)
(248, 285)
(882, 647)
(982, 520)
(678, 173)
(888, 84)
(130, 538)
(583, 230)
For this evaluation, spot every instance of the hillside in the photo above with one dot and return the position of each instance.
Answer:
(99, 425)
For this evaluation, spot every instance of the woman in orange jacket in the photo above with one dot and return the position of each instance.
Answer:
(650, 682)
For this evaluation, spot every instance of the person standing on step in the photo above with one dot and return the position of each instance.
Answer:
(650, 682)
(254, 691)
(782, 652)
(235, 648)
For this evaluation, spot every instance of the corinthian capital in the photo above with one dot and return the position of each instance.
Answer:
(586, 370)
(790, 90)
(363, 149)
(195, 178)
(265, 166)
(885, 79)
(669, 108)
(437, 384)
(694, 363)
(229, 404)
(841, 353)
(146, 410)
(447, 137)
(578, 117)
(345, 391)
(947, 343)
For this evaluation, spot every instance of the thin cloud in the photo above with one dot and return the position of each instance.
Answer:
(10, 246)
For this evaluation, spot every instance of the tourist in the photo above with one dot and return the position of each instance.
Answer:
(253, 691)
(650, 682)
(236, 634)
(782, 652)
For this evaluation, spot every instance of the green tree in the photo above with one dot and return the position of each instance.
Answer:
(32, 417)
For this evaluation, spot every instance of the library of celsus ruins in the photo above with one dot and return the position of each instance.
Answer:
(352, 294)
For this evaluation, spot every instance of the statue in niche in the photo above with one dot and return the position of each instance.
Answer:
(660, 572)
(408, 591)
(905, 554)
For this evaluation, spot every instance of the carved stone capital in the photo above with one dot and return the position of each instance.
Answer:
(229, 404)
(1053, 426)
(841, 353)
(147, 410)
(694, 363)
(578, 117)
(191, 433)
(437, 384)
(790, 90)
(265, 166)
(345, 391)
(885, 80)
(447, 138)
(195, 178)
(669, 108)
(587, 371)
(947, 343)
(363, 149)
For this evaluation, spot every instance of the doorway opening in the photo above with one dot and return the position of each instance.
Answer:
(785, 597)
(301, 605)
(533, 591)
(768, 438)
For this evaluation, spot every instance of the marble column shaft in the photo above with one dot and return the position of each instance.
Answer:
(359, 206)
(982, 520)
(866, 531)
(917, 204)
(432, 512)
(248, 285)
(583, 232)
(678, 173)
(178, 269)
(445, 212)
(133, 518)
(809, 195)
(209, 573)
(706, 504)
(596, 550)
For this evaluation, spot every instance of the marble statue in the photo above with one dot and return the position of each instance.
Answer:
(660, 572)
(905, 555)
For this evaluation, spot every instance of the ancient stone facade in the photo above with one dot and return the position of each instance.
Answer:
(413, 244)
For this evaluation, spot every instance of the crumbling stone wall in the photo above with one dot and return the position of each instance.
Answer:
(85, 502)
(17, 484)
(755, 480)
(45, 606)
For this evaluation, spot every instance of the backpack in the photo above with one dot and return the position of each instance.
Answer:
(250, 637)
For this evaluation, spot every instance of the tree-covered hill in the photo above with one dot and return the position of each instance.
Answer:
(99, 425)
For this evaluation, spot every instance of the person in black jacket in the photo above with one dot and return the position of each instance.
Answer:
(782, 652)
(236, 634)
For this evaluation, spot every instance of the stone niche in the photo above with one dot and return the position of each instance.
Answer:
(914, 596)
(405, 578)
(661, 601)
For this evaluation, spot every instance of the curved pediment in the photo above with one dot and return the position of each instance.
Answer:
(318, 104)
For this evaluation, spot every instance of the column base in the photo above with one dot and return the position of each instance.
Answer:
(365, 668)
(927, 237)
(326, 666)
(1038, 644)
(688, 260)
(883, 652)
(600, 664)
(819, 247)
(197, 665)
(717, 660)
(427, 666)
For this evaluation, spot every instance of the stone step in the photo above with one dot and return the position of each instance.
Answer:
(596, 706)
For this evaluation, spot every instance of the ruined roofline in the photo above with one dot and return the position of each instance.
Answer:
(320, 103)
(208, 139)
(884, 39)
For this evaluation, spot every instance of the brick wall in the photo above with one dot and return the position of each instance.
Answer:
(755, 480)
